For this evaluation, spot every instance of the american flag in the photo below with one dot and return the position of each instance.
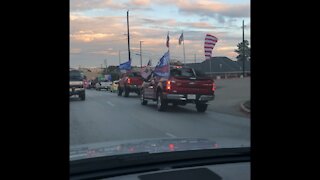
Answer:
(167, 44)
(209, 43)
(181, 39)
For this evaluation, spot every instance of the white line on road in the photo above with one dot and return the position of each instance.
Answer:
(110, 103)
(171, 135)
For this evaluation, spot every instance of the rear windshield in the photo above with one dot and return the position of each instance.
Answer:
(182, 72)
(134, 74)
(200, 73)
(76, 76)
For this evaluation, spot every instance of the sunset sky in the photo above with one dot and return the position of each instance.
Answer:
(98, 29)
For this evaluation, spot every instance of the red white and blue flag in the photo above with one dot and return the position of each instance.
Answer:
(146, 71)
(162, 69)
(209, 43)
(181, 38)
(168, 39)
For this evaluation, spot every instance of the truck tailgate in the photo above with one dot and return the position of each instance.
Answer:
(191, 86)
(135, 81)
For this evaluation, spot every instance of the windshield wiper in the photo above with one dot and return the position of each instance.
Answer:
(101, 167)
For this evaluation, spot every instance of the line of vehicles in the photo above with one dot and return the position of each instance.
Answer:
(184, 85)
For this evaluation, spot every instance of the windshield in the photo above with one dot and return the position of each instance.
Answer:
(193, 63)
(182, 72)
(75, 75)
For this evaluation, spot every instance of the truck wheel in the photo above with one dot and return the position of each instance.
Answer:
(126, 92)
(143, 101)
(82, 96)
(201, 107)
(119, 92)
(161, 103)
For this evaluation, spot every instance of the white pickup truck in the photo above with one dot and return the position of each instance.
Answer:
(76, 84)
(103, 85)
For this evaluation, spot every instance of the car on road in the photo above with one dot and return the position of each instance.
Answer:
(183, 86)
(130, 82)
(76, 84)
(103, 85)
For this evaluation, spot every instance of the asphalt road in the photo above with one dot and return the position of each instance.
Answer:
(104, 116)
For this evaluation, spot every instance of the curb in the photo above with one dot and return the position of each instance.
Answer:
(244, 108)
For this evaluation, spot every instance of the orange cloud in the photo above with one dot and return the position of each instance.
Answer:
(88, 37)
(75, 50)
(140, 2)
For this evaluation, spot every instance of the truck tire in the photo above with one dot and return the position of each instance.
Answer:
(201, 107)
(82, 96)
(126, 92)
(119, 91)
(162, 105)
(143, 101)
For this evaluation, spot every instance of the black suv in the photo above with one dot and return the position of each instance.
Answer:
(76, 84)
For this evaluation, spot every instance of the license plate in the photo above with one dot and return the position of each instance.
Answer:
(191, 96)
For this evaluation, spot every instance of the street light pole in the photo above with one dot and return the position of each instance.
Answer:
(243, 55)
(140, 55)
(128, 35)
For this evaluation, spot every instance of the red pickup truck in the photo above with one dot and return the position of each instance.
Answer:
(130, 82)
(184, 85)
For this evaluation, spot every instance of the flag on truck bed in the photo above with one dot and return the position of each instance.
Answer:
(125, 66)
(146, 71)
(209, 43)
(162, 69)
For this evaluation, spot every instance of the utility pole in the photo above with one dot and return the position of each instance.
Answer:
(128, 35)
(243, 55)
(184, 53)
(140, 55)
(119, 58)
(195, 57)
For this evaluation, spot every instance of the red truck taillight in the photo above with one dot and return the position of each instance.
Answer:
(168, 85)
(213, 86)
(129, 80)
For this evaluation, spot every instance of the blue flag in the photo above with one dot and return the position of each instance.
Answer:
(162, 69)
(125, 66)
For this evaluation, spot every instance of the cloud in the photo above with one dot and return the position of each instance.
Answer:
(209, 8)
(215, 9)
(140, 2)
(75, 50)
(80, 5)
(83, 28)
(89, 36)
(92, 39)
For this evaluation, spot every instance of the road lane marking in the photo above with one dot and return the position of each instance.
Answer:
(110, 103)
(171, 135)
